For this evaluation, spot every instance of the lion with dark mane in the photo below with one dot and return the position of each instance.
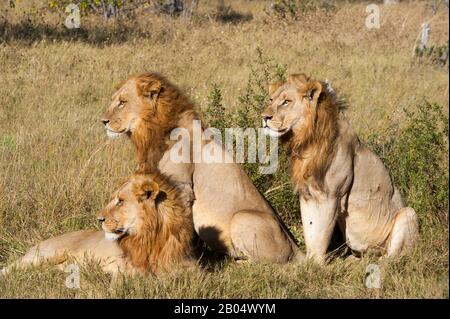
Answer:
(338, 178)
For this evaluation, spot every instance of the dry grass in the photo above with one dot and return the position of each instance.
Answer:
(57, 167)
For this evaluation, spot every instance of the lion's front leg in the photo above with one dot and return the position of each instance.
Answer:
(319, 216)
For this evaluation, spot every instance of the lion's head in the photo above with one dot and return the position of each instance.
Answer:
(292, 105)
(122, 115)
(146, 107)
(148, 218)
(132, 205)
(308, 110)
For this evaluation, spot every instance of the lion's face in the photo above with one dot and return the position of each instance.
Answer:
(291, 105)
(124, 214)
(127, 105)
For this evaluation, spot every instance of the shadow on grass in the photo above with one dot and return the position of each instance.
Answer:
(213, 257)
(234, 17)
(99, 35)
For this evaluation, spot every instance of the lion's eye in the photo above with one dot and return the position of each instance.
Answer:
(119, 202)
(121, 104)
(285, 103)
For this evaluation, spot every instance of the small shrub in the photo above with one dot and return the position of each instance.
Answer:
(215, 112)
(295, 8)
(250, 104)
(417, 157)
(285, 8)
(276, 187)
(437, 54)
(226, 14)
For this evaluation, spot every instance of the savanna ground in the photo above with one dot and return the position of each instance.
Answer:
(57, 167)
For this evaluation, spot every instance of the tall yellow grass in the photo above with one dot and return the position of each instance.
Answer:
(57, 167)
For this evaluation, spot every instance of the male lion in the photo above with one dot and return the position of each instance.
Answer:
(229, 213)
(146, 228)
(338, 178)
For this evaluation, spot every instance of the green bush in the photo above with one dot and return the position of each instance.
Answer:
(250, 104)
(276, 187)
(215, 111)
(437, 54)
(416, 155)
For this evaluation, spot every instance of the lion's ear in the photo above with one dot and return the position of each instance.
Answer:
(149, 88)
(274, 86)
(298, 79)
(312, 92)
(147, 190)
(121, 181)
(120, 85)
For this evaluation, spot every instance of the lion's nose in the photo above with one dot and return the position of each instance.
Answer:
(104, 121)
(101, 219)
(267, 117)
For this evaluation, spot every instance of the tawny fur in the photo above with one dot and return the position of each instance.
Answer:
(238, 222)
(158, 118)
(166, 238)
(339, 180)
(317, 140)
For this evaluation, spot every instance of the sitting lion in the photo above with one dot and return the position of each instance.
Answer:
(338, 178)
(229, 213)
(146, 228)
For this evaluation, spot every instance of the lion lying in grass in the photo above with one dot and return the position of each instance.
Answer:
(338, 178)
(147, 228)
